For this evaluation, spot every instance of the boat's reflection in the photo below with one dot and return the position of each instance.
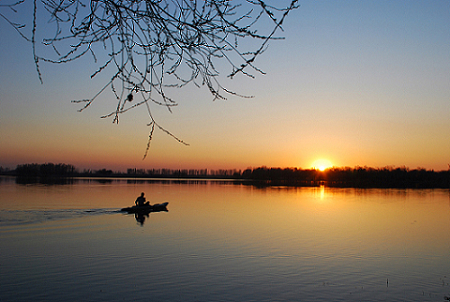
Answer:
(140, 217)
(143, 212)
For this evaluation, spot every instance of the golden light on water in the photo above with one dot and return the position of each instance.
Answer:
(321, 164)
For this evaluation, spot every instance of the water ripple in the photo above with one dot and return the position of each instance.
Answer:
(25, 217)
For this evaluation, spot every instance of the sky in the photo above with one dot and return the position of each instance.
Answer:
(354, 83)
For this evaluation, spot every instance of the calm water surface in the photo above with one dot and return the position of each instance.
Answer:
(222, 242)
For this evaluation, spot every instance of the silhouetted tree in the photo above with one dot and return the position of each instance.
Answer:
(48, 173)
(359, 177)
(104, 172)
(151, 45)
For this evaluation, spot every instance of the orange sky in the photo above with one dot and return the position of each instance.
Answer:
(355, 83)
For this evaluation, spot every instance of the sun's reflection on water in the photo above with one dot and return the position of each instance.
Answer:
(322, 192)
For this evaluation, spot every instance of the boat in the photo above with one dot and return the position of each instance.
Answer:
(158, 207)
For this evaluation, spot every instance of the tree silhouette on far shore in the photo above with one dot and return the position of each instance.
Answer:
(346, 177)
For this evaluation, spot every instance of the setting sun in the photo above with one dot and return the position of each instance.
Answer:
(321, 164)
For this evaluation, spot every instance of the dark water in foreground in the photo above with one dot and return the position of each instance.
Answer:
(222, 242)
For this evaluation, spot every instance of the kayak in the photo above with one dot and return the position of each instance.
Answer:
(159, 207)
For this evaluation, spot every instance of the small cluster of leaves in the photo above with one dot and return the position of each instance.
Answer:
(152, 45)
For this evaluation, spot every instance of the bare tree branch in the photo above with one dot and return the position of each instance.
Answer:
(155, 45)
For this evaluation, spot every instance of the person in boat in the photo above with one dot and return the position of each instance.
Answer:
(140, 201)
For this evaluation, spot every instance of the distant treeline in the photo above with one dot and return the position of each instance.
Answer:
(388, 178)
(362, 177)
(44, 173)
(45, 170)
(50, 170)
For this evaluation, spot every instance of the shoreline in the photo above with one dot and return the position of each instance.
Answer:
(357, 184)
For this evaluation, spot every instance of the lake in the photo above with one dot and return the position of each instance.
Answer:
(221, 241)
